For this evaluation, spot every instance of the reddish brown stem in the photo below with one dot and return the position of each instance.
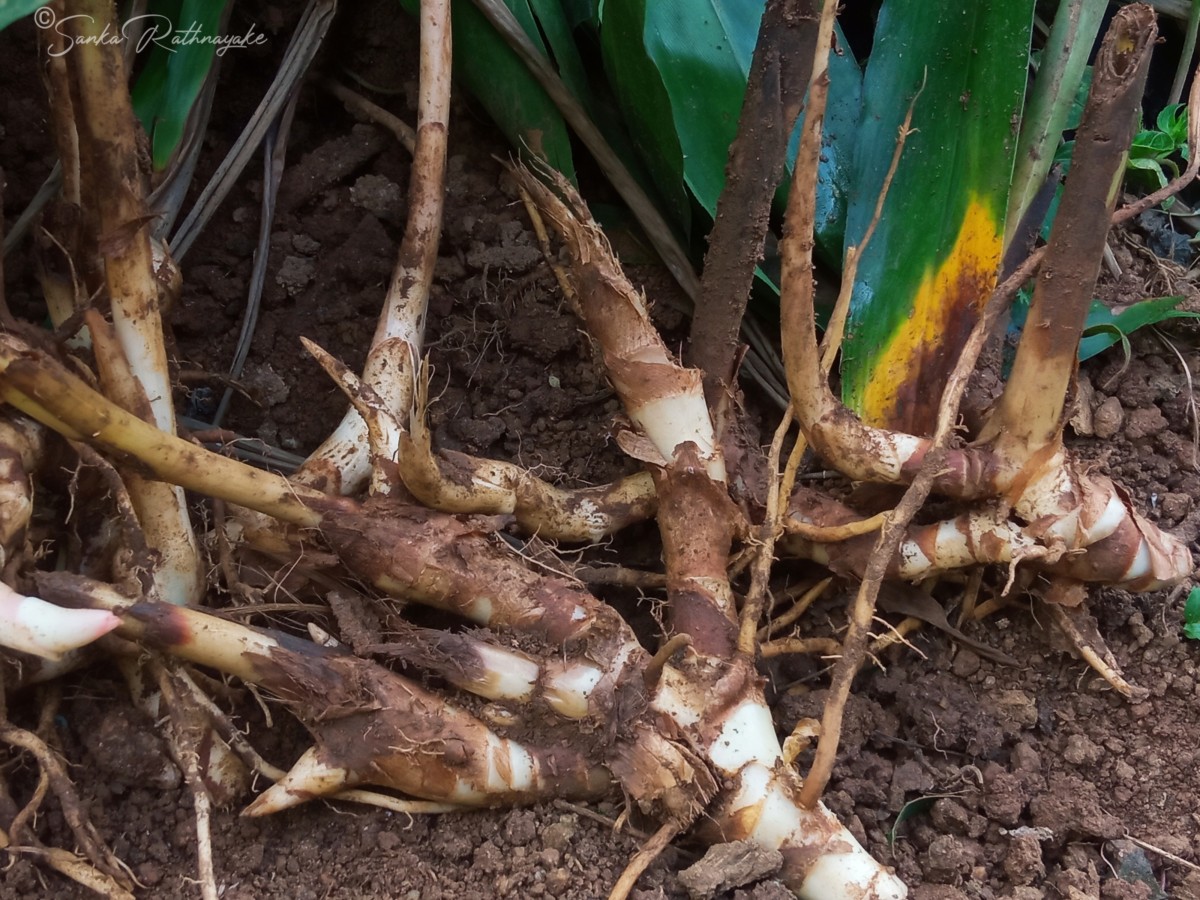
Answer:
(774, 95)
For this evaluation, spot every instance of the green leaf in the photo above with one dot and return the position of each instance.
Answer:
(1173, 120)
(1152, 166)
(1105, 327)
(1081, 95)
(175, 70)
(556, 28)
(582, 12)
(1191, 615)
(11, 10)
(703, 49)
(935, 255)
(1151, 144)
(644, 102)
(493, 73)
(679, 70)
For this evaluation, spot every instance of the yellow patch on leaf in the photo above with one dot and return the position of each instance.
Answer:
(908, 378)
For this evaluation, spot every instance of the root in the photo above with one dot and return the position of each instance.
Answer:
(832, 534)
(1080, 630)
(255, 763)
(641, 861)
(806, 599)
(1063, 522)
(760, 568)
(826, 647)
(356, 102)
(184, 732)
(78, 870)
(55, 773)
(654, 669)
(686, 733)
(415, 741)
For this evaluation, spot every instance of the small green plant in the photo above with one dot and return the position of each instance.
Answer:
(1191, 615)
(1106, 326)
(1153, 150)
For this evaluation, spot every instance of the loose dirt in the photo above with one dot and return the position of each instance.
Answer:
(972, 778)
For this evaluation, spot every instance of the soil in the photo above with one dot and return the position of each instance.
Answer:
(972, 778)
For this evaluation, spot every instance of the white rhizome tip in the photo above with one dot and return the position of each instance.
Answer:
(34, 626)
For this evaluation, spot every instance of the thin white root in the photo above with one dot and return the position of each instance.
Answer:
(395, 804)
(31, 625)
(186, 732)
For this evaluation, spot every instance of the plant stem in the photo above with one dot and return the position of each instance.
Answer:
(664, 399)
(342, 463)
(1064, 60)
(44, 390)
(1029, 415)
(115, 189)
(1186, 54)
(757, 156)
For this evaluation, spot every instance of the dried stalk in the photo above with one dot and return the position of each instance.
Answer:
(774, 95)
